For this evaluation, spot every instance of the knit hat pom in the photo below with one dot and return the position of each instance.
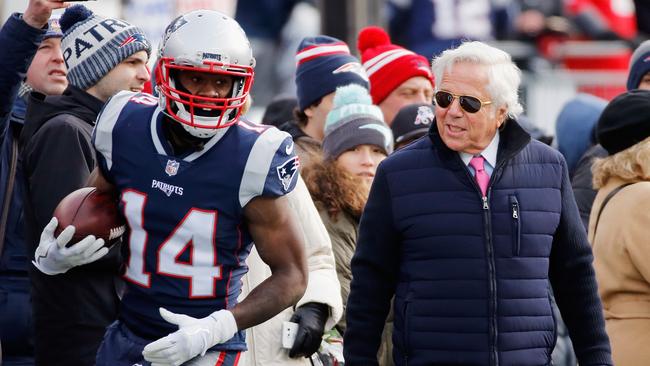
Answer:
(371, 37)
(73, 15)
(351, 94)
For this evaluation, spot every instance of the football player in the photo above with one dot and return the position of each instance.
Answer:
(197, 184)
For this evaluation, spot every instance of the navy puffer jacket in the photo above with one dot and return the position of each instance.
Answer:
(471, 274)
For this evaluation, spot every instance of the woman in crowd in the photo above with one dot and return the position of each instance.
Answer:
(356, 141)
(619, 225)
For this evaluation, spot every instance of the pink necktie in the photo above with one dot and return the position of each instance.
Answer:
(481, 176)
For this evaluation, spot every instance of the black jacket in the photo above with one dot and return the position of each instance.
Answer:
(71, 310)
(581, 182)
(470, 273)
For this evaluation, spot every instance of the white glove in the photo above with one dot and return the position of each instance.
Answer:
(52, 257)
(193, 337)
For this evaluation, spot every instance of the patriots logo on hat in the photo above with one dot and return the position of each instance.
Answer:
(646, 59)
(287, 171)
(138, 37)
(353, 67)
(424, 116)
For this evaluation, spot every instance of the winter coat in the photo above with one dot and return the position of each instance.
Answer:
(471, 274)
(581, 182)
(621, 260)
(264, 341)
(71, 310)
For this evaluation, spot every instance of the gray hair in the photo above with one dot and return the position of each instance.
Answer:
(503, 75)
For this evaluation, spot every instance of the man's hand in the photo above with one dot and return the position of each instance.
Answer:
(193, 337)
(311, 318)
(39, 11)
(52, 257)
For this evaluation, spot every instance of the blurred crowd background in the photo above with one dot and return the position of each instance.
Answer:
(564, 47)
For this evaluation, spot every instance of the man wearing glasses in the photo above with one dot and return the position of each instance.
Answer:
(467, 229)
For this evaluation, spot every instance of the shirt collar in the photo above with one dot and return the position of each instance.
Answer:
(489, 154)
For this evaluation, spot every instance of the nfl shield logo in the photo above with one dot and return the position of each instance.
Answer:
(172, 167)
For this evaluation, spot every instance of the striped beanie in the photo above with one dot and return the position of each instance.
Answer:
(324, 63)
(354, 121)
(92, 46)
(388, 65)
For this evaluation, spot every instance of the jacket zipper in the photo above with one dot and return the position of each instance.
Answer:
(494, 359)
(516, 225)
(494, 356)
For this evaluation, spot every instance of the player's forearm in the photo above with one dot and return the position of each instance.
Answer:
(283, 289)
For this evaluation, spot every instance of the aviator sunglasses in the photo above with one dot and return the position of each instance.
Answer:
(469, 103)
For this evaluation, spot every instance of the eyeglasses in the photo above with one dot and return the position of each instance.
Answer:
(469, 103)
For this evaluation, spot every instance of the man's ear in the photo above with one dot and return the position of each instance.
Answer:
(502, 115)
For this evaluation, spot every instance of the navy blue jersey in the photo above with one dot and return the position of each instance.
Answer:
(187, 238)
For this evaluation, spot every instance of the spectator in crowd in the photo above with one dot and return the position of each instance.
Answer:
(32, 46)
(57, 159)
(356, 141)
(323, 64)
(638, 78)
(603, 20)
(280, 110)
(266, 23)
(467, 228)
(574, 127)
(639, 70)
(619, 225)
(411, 123)
(575, 136)
(429, 27)
(398, 77)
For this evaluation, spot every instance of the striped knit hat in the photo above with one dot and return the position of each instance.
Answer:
(92, 46)
(386, 64)
(354, 121)
(322, 64)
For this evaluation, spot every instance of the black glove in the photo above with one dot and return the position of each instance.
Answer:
(311, 318)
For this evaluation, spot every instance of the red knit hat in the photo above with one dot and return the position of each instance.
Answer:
(386, 64)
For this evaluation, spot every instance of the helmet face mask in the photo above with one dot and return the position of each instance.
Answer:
(204, 42)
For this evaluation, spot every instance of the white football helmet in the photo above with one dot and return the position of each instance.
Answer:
(211, 42)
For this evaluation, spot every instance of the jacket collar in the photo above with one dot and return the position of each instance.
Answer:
(512, 139)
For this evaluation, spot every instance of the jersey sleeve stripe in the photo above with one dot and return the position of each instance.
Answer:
(105, 124)
(258, 164)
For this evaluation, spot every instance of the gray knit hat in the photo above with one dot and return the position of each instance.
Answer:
(354, 121)
(639, 65)
(93, 46)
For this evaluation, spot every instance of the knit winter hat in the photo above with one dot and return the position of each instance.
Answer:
(53, 29)
(388, 65)
(322, 64)
(625, 121)
(354, 121)
(639, 65)
(93, 46)
(412, 121)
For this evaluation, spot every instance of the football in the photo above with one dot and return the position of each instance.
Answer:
(91, 213)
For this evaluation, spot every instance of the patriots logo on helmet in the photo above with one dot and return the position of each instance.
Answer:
(424, 117)
(353, 67)
(287, 171)
(138, 37)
